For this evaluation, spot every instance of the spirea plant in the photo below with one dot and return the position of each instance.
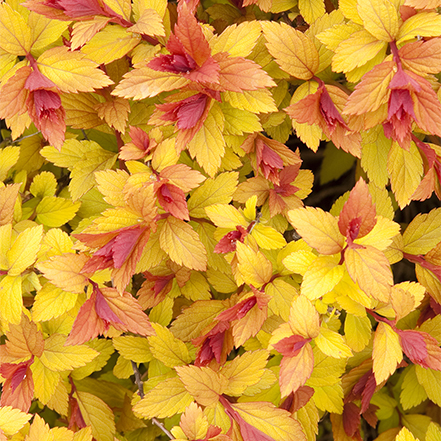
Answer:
(161, 274)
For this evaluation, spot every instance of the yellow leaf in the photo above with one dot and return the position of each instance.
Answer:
(38, 430)
(380, 18)
(71, 71)
(97, 414)
(8, 158)
(133, 348)
(24, 250)
(269, 419)
(65, 271)
(45, 30)
(405, 169)
(238, 122)
(357, 331)
(329, 398)
(54, 212)
(58, 357)
(309, 417)
(304, 319)
(243, 371)
(208, 145)
(423, 233)
(110, 44)
(8, 197)
(412, 393)
(237, 40)
(294, 52)
(145, 82)
(165, 155)
(356, 51)
(386, 352)
(282, 295)
(12, 420)
(82, 175)
(51, 302)
(149, 23)
(381, 235)
(166, 348)
(322, 275)
(165, 400)
(423, 24)
(204, 384)
(80, 110)
(254, 268)
(312, 10)
(318, 229)
(327, 370)
(431, 381)
(225, 216)
(375, 149)
(15, 34)
(182, 244)
(405, 435)
(45, 381)
(299, 261)
(433, 432)
(331, 343)
(349, 9)
(256, 101)
(267, 237)
(43, 184)
(197, 288)
(83, 31)
(111, 184)
(370, 268)
(115, 113)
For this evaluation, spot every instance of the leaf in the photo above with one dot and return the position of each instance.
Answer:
(356, 51)
(133, 348)
(54, 212)
(44, 30)
(65, 271)
(322, 275)
(412, 392)
(254, 268)
(225, 216)
(423, 233)
(386, 352)
(272, 421)
(8, 196)
(423, 24)
(312, 10)
(149, 23)
(97, 414)
(182, 244)
(357, 332)
(204, 384)
(58, 357)
(332, 344)
(24, 340)
(430, 380)
(318, 229)
(370, 268)
(218, 190)
(303, 318)
(237, 40)
(329, 398)
(166, 348)
(256, 101)
(71, 71)
(208, 144)
(12, 420)
(15, 34)
(145, 82)
(24, 250)
(405, 169)
(415, 56)
(110, 44)
(45, 381)
(245, 370)
(380, 18)
(293, 51)
(166, 399)
(11, 302)
(8, 157)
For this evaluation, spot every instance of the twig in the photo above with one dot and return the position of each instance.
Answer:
(138, 382)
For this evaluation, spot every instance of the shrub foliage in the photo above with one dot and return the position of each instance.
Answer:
(160, 273)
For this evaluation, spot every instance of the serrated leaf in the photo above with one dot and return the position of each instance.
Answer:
(54, 212)
(97, 414)
(423, 24)
(166, 399)
(109, 44)
(44, 30)
(357, 332)
(386, 352)
(166, 348)
(12, 420)
(254, 268)
(133, 348)
(412, 392)
(312, 10)
(15, 34)
(58, 357)
(51, 302)
(318, 229)
(8, 157)
(423, 233)
(304, 318)
(380, 18)
(45, 381)
(182, 244)
(293, 51)
(331, 343)
(431, 382)
(24, 250)
(71, 71)
(244, 371)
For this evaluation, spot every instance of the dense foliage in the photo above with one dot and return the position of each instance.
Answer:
(161, 274)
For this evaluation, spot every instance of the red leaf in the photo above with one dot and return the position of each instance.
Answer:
(291, 346)
(414, 346)
(103, 309)
(18, 389)
(351, 418)
(358, 215)
(173, 200)
(228, 242)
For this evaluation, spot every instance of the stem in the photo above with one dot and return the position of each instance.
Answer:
(138, 382)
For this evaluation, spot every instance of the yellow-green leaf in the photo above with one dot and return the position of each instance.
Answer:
(12, 420)
(54, 212)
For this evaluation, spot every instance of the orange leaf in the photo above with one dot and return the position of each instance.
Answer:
(422, 57)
